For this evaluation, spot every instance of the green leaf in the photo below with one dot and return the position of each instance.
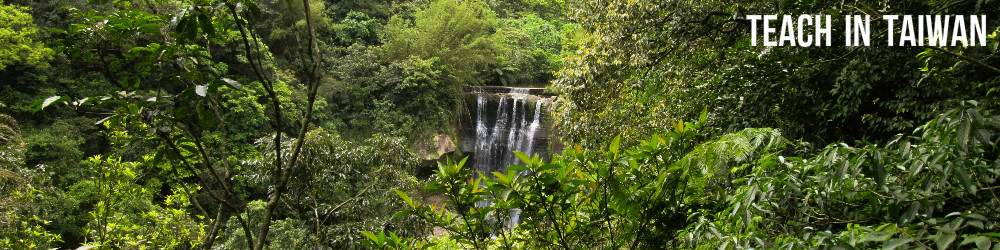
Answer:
(190, 148)
(206, 24)
(909, 214)
(963, 177)
(547, 167)
(400, 214)
(704, 115)
(501, 177)
(615, 144)
(370, 236)
(877, 236)
(975, 223)
(982, 242)
(963, 134)
(157, 158)
(254, 10)
(944, 239)
(393, 237)
(524, 158)
(517, 168)
(894, 243)
(405, 197)
(369, 244)
(428, 245)
(991, 234)
(976, 217)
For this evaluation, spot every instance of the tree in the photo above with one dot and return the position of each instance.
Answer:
(281, 26)
(169, 85)
(17, 39)
(532, 53)
(357, 27)
(412, 97)
(461, 34)
(343, 187)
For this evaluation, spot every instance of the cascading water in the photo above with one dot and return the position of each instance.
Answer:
(512, 127)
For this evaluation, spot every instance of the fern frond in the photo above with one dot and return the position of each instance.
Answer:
(713, 156)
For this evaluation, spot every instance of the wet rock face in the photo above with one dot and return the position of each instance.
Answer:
(438, 145)
(433, 150)
(501, 120)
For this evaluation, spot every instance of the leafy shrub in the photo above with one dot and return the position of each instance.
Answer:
(357, 27)
(342, 187)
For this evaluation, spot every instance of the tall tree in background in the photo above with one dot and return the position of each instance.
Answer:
(18, 36)
(459, 33)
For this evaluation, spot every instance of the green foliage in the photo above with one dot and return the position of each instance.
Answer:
(161, 103)
(20, 224)
(125, 217)
(342, 188)
(195, 102)
(931, 188)
(286, 26)
(392, 241)
(288, 233)
(59, 148)
(546, 36)
(17, 39)
(548, 9)
(461, 34)
(641, 64)
(357, 27)
(423, 89)
(618, 198)
(532, 51)
(409, 97)
(168, 110)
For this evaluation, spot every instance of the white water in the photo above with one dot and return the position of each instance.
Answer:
(499, 134)
(512, 129)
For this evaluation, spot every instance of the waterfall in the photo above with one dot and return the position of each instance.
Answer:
(512, 127)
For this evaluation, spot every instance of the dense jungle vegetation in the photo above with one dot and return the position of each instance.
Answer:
(293, 124)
